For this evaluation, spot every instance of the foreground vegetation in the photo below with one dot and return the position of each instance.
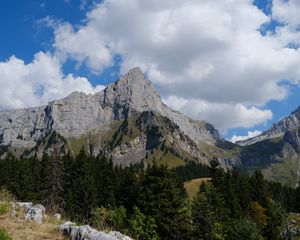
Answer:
(152, 203)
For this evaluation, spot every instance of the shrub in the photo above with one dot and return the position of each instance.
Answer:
(4, 208)
(5, 195)
(107, 219)
(4, 235)
(142, 227)
(244, 229)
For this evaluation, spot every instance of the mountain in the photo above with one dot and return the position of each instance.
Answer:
(127, 121)
(275, 151)
(289, 123)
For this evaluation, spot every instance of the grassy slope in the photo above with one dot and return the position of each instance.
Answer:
(284, 171)
(192, 187)
(19, 229)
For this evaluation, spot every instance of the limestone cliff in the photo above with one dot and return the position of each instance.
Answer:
(94, 119)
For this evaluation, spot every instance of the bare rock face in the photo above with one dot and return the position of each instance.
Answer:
(80, 114)
(86, 232)
(289, 123)
(34, 213)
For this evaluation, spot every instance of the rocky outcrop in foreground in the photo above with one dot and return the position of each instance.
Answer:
(34, 213)
(85, 232)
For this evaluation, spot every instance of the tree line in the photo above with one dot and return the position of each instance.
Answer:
(151, 203)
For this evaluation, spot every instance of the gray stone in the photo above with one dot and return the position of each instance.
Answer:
(57, 216)
(286, 124)
(87, 233)
(35, 213)
(25, 205)
(81, 113)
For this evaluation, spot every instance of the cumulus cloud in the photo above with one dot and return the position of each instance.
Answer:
(221, 115)
(37, 82)
(250, 134)
(209, 54)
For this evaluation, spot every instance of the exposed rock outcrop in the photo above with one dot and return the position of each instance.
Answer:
(34, 213)
(289, 123)
(82, 114)
(87, 233)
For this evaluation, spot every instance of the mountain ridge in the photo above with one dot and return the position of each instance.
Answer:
(93, 120)
(278, 129)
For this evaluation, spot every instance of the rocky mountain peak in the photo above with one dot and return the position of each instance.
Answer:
(289, 123)
(79, 114)
(296, 112)
(131, 93)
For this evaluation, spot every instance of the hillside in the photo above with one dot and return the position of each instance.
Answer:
(20, 229)
(275, 151)
(127, 121)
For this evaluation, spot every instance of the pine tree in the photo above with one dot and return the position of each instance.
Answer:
(162, 197)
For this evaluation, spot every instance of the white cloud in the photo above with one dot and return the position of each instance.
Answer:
(250, 134)
(37, 82)
(208, 54)
(224, 115)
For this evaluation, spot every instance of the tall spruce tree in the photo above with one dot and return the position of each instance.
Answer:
(162, 197)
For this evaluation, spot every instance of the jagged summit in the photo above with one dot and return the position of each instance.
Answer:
(132, 92)
(84, 114)
(296, 112)
(278, 129)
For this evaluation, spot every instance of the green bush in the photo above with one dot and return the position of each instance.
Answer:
(244, 229)
(4, 235)
(5, 195)
(142, 227)
(107, 219)
(4, 208)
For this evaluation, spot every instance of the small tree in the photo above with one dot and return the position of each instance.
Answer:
(109, 219)
(244, 229)
(142, 227)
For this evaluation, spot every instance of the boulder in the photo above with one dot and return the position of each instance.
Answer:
(87, 233)
(57, 216)
(25, 205)
(36, 213)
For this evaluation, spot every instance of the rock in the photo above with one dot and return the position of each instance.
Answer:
(81, 113)
(287, 124)
(87, 233)
(36, 213)
(57, 216)
(25, 205)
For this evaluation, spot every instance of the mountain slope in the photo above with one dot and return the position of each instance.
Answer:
(276, 151)
(127, 121)
(289, 123)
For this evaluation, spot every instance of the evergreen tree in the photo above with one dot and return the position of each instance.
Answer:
(162, 197)
(209, 215)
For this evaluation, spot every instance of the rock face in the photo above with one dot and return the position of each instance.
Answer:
(87, 233)
(34, 213)
(286, 124)
(276, 151)
(81, 114)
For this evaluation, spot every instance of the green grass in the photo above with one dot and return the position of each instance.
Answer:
(4, 235)
(284, 171)
(192, 187)
(171, 160)
(211, 151)
(4, 208)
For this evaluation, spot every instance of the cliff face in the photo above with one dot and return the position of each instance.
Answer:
(276, 151)
(289, 123)
(90, 121)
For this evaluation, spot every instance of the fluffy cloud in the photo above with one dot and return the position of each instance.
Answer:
(36, 83)
(209, 54)
(250, 134)
(221, 115)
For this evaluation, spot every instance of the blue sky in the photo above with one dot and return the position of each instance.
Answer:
(216, 74)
